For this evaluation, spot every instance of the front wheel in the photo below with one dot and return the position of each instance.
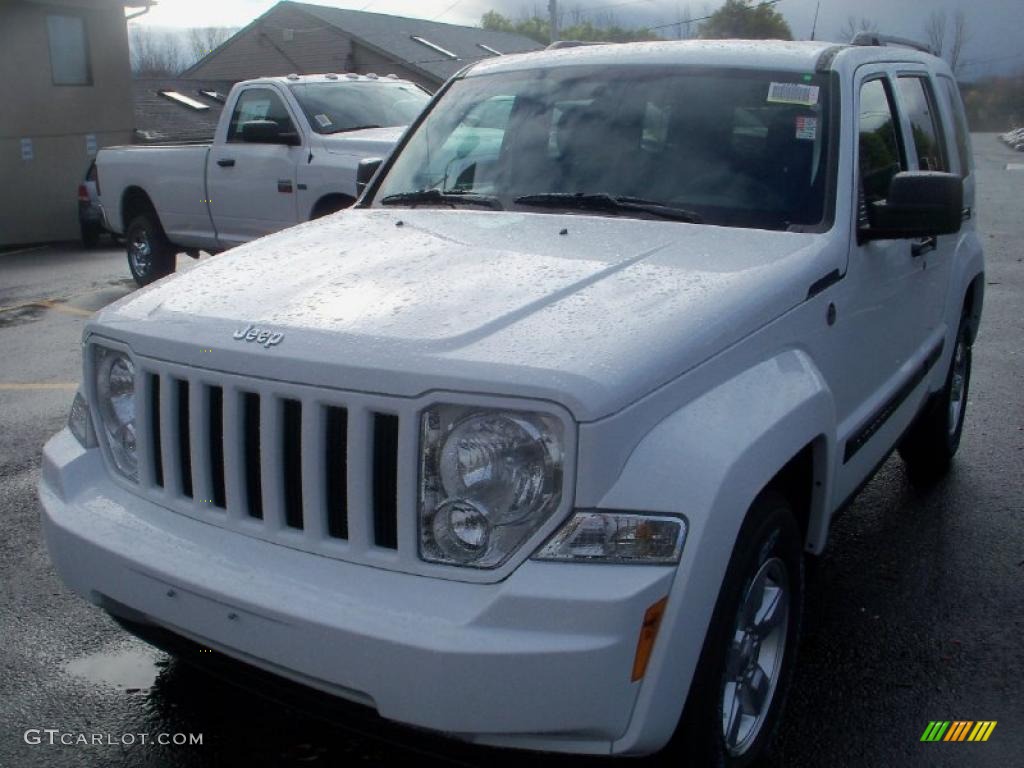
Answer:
(739, 688)
(150, 255)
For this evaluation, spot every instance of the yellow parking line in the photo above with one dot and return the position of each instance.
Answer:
(65, 308)
(29, 386)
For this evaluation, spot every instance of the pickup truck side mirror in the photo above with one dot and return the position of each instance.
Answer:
(267, 132)
(919, 204)
(364, 173)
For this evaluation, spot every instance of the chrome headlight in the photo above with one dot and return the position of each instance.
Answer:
(488, 480)
(606, 536)
(115, 400)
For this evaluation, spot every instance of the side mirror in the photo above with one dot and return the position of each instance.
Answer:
(364, 173)
(920, 204)
(267, 132)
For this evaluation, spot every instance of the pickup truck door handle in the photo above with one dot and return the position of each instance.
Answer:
(284, 185)
(226, 163)
(924, 245)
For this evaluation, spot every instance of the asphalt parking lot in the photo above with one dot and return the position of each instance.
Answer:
(915, 612)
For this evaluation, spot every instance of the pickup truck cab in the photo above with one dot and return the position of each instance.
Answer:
(285, 151)
(529, 446)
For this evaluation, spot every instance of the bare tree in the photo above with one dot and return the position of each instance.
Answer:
(852, 27)
(960, 38)
(935, 30)
(202, 40)
(154, 53)
(685, 29)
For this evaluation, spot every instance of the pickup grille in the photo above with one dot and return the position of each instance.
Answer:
(310, 468)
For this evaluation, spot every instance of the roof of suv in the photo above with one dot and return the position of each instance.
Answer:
(780, 55)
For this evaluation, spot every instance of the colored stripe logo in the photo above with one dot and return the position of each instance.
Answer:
(958, 730)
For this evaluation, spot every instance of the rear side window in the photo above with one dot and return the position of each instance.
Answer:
(258, 104)
(919, 104)
(880, 157)
(956, 109)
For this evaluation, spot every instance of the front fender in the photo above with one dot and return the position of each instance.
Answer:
(708, 461)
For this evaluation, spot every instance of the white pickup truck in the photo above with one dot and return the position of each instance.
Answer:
(529, 446)
(286, 150)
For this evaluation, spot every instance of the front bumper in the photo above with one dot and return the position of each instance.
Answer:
(541, 660)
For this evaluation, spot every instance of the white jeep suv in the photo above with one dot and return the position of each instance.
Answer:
(528, 446)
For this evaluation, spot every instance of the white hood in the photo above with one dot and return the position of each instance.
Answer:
(593, 312)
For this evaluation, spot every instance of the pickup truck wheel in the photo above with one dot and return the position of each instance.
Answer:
(934, 437)
(739, 688)
(150, 255)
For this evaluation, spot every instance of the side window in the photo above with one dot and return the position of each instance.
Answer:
(919, 103)
(956, 109)
(880, 157)
(258, 104)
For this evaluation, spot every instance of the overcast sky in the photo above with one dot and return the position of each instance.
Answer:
(996, 27)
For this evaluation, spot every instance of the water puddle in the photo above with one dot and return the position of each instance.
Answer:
(133, 670)
(20, 315)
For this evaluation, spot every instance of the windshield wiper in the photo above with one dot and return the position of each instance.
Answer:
(436, 196)
(602, 201)
(353, 128)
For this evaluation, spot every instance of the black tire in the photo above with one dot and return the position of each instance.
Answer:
(331, 205)
(90, 235)
(769, 544)
(933, 439)
(150, 255)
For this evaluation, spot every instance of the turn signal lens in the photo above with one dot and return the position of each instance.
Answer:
(648, 634)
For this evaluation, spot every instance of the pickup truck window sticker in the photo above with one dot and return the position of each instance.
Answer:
(324, 120)
(793, 93)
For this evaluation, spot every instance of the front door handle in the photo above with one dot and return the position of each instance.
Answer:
(226, 163)
(924, 245)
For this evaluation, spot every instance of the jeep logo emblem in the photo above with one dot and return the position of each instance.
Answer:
(260, 335)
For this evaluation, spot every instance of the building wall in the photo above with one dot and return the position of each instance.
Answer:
(38, 199)
(286, 40)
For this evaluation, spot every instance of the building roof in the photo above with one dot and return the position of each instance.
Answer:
(160, 118)
(440, 51)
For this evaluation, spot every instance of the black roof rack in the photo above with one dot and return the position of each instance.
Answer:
(874, 38)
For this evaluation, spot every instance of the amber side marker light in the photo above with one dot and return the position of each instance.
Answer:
(648, 634)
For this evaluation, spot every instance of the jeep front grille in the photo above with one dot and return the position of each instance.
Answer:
(307, 467)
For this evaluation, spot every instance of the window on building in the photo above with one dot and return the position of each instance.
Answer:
(919, 105)
(69, 50)
(185, 100)
(880, 157)
(434, 47)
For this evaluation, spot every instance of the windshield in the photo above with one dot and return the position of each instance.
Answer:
(732, 147)
(339, 106)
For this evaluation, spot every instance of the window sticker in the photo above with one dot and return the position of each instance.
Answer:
(324, 120)
(793, 93)
(806, 128)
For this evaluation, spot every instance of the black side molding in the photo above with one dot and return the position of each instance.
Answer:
(875, 421)
(822, 283)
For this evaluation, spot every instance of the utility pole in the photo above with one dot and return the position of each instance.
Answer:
(553, 13)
